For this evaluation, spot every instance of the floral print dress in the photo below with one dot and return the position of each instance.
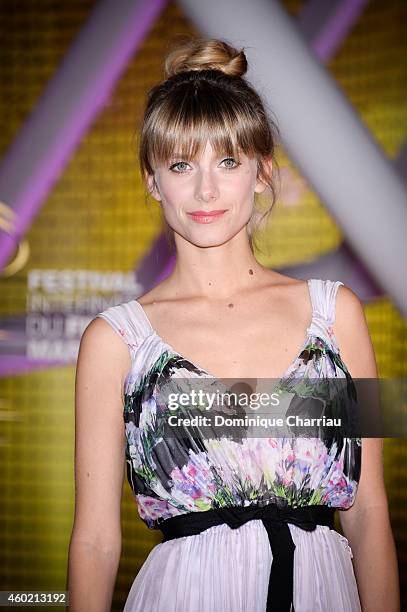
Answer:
(223, 569)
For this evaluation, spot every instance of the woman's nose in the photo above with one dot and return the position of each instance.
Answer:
(206, 189)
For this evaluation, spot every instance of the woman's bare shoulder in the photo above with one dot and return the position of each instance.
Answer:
(349, 312)
(352, 333)
(292, 291)
(102, 349)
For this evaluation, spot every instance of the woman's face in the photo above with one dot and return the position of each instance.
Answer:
(207, 184)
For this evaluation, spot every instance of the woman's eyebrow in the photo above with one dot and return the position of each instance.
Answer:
(215, 156)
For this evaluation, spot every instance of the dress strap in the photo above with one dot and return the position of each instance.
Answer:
(127, 321)
(323, 298)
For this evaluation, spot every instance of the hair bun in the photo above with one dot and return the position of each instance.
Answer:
(205, 54)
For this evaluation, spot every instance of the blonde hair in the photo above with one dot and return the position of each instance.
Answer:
(205, 97)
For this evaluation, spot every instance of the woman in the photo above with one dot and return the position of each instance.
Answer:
(207, 148)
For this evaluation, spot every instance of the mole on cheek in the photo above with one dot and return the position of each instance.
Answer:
(250, 271)
(230, 305)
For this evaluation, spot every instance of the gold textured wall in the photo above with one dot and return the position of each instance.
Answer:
(96, 218)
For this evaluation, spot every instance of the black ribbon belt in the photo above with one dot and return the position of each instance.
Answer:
(275, 521)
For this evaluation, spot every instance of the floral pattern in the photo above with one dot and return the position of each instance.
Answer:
(171, 476)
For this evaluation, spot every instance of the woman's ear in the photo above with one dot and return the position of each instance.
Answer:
(152, 187)
(268, 167)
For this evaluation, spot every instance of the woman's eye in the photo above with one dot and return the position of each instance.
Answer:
(229, 165)
(180, 165)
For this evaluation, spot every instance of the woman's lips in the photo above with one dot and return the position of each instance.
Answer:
(200, 216)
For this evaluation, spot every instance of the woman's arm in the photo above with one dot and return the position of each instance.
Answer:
(366, 524)
(95, 545)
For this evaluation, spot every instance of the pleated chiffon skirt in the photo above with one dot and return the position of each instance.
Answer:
(227, 570)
